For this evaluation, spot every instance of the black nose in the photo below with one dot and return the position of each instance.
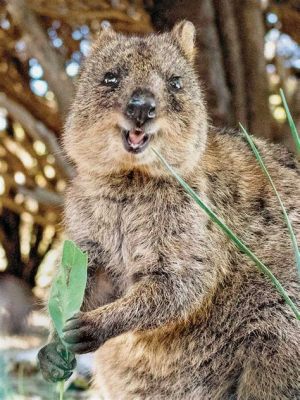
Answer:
(141, 106)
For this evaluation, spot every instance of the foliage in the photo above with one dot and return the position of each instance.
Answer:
(68, 288)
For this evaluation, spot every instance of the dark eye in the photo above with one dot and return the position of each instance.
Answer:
(111, 79)
(175, 83)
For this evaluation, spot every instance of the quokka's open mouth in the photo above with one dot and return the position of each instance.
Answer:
(135, 140)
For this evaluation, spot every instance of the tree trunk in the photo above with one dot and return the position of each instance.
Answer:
(251, 31)
(230, 57)
(10, 223)
(209, 59)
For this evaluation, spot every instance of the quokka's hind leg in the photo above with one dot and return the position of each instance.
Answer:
(271, 371)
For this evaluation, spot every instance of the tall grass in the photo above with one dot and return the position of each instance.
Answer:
(283, 209)
(235, 239)
(291, 122)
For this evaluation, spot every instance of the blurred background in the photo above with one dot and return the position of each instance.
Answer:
(247, 50)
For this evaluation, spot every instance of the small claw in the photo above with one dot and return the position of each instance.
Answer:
(82, 348)
(77, 336)
(71, 324)
(75, 316)
(72, 337)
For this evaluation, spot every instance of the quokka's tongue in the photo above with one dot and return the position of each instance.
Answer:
(136, 137)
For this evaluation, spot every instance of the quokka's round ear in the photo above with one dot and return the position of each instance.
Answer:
(107, 29)
(106, 33)
(185, 34)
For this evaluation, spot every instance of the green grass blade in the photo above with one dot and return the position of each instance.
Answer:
(285, 215)
(239, 243)
(293, 128)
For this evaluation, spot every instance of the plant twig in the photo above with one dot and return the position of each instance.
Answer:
(38, 131)
(42, 196)
(39, 46)
(61, 386)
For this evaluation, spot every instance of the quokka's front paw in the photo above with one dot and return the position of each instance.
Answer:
(82, 334)
(55, 363)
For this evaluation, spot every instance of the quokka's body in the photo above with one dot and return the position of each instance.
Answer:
(172, 308)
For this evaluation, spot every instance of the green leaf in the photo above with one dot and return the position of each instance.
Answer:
(293, 128)
(285, 215)
(67, 291)
(74, 263)
(68, 288)
(238, 242)
(55, 304)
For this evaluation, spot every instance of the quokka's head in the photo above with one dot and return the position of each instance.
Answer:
(136, 93)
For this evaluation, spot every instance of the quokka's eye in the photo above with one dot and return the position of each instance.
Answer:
(111, 79)
(175, 83)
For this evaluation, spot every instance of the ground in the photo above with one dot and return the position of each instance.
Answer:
(20, 378)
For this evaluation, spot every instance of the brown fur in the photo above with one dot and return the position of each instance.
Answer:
(177, 310)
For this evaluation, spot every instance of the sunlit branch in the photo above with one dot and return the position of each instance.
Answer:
(38, 131)
(39, 46)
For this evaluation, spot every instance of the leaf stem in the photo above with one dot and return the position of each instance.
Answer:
(61, 387)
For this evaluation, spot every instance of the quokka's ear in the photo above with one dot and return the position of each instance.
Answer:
(185, 34)
(106, 33)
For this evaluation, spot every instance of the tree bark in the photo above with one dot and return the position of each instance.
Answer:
(165, 14)
(39, 46)
(10, 222)
(251, 31)
(230, 45)
(232, 55)
(34, 259)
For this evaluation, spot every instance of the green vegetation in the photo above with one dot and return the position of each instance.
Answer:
(285, 215)
(293, 128)
(68, 289)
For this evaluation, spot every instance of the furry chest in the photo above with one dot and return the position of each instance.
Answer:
(127, 232)
(136, 233)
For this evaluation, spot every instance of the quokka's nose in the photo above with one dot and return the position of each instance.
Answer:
(141, 106)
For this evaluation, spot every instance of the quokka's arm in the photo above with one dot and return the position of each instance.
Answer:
(150, 303)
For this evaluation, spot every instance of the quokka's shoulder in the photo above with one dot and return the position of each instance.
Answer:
(232, 148)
